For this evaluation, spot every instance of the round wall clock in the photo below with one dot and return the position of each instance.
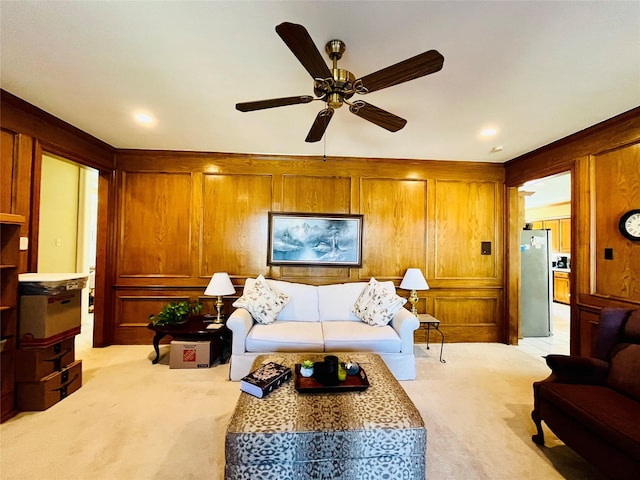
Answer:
(630, 225)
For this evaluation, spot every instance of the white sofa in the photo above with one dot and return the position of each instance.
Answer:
(320, 319)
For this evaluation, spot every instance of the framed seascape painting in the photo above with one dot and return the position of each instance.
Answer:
(311, 239)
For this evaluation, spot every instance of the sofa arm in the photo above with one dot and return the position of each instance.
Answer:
(239, 322)
(574, 369)
(405, 323)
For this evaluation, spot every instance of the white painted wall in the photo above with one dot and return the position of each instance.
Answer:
(59, 193)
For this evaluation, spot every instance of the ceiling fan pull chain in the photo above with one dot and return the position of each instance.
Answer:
(324, 153)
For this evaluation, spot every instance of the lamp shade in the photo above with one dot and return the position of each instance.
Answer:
(220, 284)
(414, 280)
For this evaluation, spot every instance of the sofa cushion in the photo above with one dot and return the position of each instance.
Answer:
(261, 300)
(303, 303)
(376, 305)
(284, 336)
(608, 413)
(624, 374)
(336, 301)
(360, 337)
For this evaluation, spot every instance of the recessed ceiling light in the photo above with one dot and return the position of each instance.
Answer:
(143, 118)
(488, 132)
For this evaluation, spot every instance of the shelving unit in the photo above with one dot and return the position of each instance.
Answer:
(9, 255)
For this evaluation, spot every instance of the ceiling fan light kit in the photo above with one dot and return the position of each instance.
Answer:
(336, 86)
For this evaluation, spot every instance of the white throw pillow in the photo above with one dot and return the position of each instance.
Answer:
(262, 301)
(376, 306)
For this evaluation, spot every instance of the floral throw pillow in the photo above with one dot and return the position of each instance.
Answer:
(263, 301)
(376, 306)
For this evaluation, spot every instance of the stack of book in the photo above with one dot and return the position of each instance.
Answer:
(265, 379)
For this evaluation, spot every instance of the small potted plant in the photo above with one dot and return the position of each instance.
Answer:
(306, 368)
(176, 313)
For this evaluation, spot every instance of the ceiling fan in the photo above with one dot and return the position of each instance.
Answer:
(336, 86)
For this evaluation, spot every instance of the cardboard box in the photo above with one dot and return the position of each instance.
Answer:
(48, 319)
(32, 364)
(190, 354)
(49, 390)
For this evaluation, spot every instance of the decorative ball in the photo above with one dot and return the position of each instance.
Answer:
(352, 368)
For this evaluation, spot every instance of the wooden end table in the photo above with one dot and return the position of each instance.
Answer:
(195, 329)
(431, 321)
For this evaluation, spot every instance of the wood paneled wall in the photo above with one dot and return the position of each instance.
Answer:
(168, 220)
(28, 132)
(617, 190)
(604, 161)
(182, 217)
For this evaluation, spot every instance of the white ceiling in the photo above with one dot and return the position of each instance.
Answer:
(551, 190)
(536, 71)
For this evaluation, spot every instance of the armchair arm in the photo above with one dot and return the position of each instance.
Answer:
(404, 323)
(574, 369)
(239, 322)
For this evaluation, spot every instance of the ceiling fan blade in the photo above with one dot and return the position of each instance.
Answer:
(410, 69)
(273, 102)
(319, 125)
(376, 115)
(301, 44)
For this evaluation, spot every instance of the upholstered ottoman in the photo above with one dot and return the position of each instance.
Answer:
(376, 433)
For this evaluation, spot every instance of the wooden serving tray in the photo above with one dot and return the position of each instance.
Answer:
(353, 383)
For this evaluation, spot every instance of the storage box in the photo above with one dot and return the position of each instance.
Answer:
(34, 363)
(50, 389)
(190, 354)
(48, 319)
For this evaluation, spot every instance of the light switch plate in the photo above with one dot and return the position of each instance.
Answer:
(24, 243)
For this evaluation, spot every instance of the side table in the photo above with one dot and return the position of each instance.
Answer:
(431, 321)
(195, 329)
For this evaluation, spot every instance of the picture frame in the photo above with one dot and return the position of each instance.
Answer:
(312, 239)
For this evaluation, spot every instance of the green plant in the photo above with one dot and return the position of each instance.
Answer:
(175, 312)
(307, 364)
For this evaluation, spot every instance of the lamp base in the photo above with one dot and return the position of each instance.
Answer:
(219, 306)
(413, 299)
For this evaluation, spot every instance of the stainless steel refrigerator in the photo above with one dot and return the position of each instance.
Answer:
(536, 286)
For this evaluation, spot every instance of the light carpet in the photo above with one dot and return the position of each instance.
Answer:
(133, 420)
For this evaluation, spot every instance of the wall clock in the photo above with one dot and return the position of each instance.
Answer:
(630, 225)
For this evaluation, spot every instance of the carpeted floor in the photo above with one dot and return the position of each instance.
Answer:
(133, 420)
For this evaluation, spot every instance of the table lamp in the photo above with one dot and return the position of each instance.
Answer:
(414, 280)
(219, 285)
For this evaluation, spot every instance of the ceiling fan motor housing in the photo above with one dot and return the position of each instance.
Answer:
(339, 87)
(335, 48)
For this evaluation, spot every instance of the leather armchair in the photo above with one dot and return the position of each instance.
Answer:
(593, 404)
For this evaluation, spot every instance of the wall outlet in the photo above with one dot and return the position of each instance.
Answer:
(485, 248)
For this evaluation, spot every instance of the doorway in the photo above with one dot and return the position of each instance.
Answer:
(67, 228)
(547, 207)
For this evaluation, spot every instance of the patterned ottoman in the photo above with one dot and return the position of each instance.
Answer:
(374, 434)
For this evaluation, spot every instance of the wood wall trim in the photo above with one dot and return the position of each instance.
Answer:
(214, 162)
(555, 157)
(67, 140)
